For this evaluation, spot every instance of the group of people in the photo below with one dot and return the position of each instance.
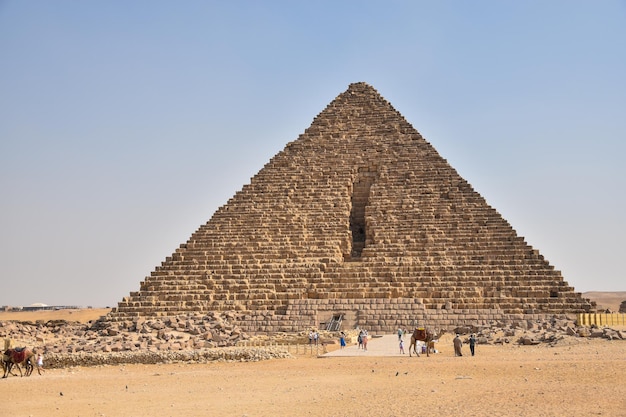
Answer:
(363, 338)
(314, 337)
(458, 344)
(401, 333)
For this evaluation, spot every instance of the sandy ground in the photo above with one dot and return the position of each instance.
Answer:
(82, 315)
(582, 377)
(607, 299)
(578, 377)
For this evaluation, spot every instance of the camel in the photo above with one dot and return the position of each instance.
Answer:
(18, 356)
(426, 336)
(9, 371)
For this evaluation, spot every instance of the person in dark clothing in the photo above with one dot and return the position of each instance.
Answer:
(472, 343)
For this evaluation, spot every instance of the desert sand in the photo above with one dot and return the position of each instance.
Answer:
(576, 377)
(82, 315)
(607, 299)
(582, 377)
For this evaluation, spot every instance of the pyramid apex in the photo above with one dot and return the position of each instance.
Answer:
(360, 86)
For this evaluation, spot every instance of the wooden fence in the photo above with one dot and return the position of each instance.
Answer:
(602, 319)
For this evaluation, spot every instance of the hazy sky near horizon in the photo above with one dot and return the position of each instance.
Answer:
(124, 125)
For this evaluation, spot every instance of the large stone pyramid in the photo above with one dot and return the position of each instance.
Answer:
(360, 219)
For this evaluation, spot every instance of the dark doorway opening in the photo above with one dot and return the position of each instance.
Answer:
(360, 200)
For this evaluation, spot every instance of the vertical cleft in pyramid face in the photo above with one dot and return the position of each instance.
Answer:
(360, 200)
(362, 185)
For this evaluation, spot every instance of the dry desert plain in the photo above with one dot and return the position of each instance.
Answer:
(575, 377)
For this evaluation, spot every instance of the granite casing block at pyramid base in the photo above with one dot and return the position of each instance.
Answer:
(361, 217)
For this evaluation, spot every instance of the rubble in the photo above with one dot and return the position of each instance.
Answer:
(527, 332)
(200, 338)
(186, 338)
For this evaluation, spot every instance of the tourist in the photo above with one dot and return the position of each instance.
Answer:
(458, 344)
(316, 337)
(40, 363)
(472, 343)
(400, 334)
(342, 340)
(360, 339)
(401, 346)
(310, 337)
(364, 339)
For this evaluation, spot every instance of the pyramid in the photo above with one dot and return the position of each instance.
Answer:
(358, 221)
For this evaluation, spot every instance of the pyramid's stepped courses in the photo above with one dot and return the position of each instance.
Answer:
(359, 216)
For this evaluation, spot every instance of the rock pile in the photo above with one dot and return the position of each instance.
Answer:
(192, 337)
(528, 332)
(227, 354)
(200, 338)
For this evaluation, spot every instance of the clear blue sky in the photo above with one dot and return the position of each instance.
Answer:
(124, 125)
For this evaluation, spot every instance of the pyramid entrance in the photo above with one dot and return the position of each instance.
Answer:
(360, 199)
(359, 216)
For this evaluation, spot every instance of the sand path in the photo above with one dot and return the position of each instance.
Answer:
(580, 378)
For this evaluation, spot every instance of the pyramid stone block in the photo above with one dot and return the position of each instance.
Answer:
(360, 216)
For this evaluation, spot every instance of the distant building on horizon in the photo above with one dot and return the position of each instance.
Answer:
(38, 307)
